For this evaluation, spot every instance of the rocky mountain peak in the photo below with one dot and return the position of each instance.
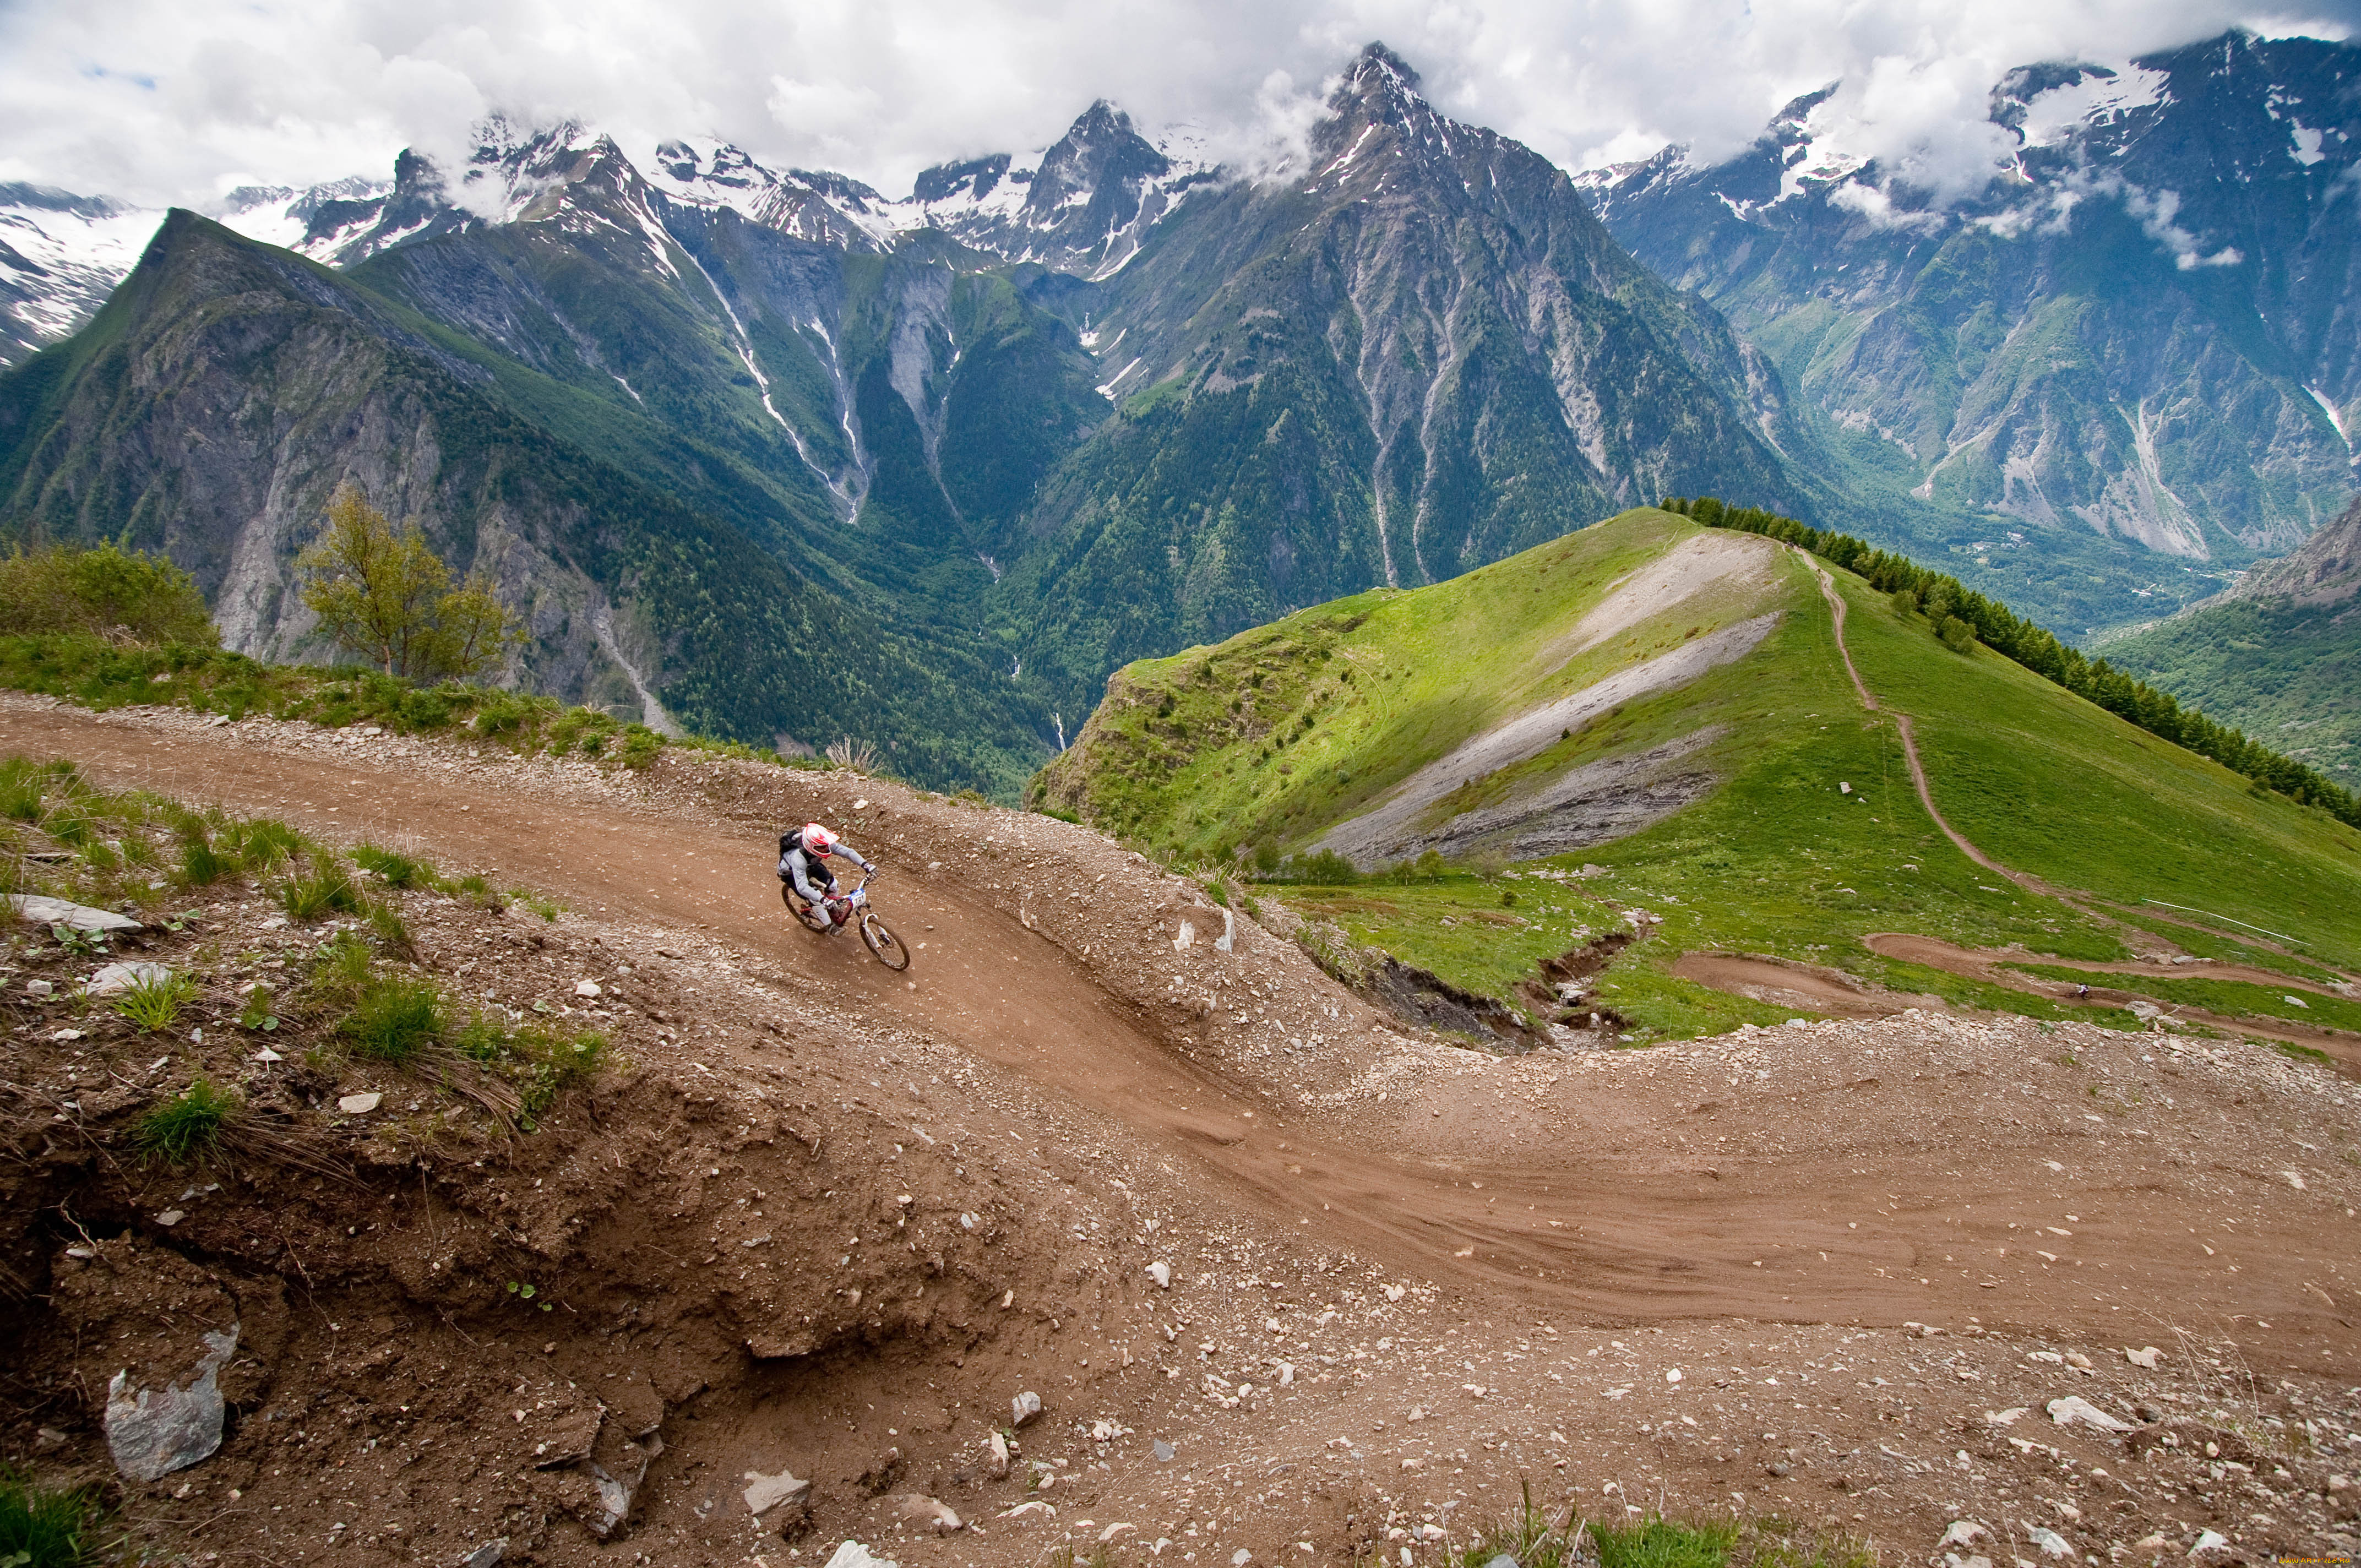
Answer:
(2326, 571)
(972, 179)
(1376, 72)
(1098, 155)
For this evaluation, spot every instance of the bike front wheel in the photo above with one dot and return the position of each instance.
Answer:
(889, 948)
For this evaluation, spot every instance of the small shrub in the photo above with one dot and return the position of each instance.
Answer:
(152, 1006)
(43, 1526)
(642, 747)
(1326, 869)
(324, 890)
(1956, 634)
(393, 1020)
(500, 713)
(187, 1128)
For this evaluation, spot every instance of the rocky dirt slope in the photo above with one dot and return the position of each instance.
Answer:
(1286, 1278)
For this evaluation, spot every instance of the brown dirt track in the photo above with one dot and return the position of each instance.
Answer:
(1873, 1173)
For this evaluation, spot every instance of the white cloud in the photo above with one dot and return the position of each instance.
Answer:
(177, 100)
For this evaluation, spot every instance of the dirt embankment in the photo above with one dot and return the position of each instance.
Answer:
(828, 1219)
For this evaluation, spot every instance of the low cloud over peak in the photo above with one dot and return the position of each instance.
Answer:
(155, 101)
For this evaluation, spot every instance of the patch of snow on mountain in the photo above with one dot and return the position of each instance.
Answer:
(2096, 100)
(61, 255)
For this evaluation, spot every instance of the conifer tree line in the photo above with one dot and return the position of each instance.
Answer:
(1959, 613)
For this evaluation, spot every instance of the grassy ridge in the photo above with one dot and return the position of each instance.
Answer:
(1778, 858)
(1960, 614)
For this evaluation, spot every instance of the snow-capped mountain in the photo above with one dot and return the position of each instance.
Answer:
(2132, 328)
(1084, 205)
(60, 256)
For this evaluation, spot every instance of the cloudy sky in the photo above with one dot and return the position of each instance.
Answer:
(158, 101)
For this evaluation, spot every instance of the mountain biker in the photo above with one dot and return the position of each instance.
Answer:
(802, 865)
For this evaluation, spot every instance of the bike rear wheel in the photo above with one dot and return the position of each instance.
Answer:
(803, 912)
(884, 944)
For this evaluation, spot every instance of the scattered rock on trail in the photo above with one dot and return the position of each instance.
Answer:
(151, 1433)
(764, 1493)
(115, 979)
(1023, 1408)
(359, 1104)
(997, 1447)
(921, 1510)
(852, 1554)
(2148, 1357)
(485, 1555)
(1162, 1273)
(2074, 1410)
(43, 911)
(615, 1491)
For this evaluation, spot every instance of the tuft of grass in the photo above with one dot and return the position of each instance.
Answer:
(201, 865)
(478, 892)
(263, 844)
(540, 1059)
(547, 908)
(393, 1019)
(1663, 1543)
(188, 1127)
(324, 890)
(44, 1527)
(396, 870)
(152, 1006)
(22, 780)
(385, 920)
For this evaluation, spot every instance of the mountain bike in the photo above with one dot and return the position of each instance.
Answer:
(890, 949)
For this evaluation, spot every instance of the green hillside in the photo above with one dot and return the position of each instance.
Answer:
(1723, 804)
(2279, 655)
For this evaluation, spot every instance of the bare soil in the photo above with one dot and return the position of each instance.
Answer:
(825, 1218)
(1783, 981)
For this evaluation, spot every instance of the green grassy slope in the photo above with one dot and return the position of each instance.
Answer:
(2289, 675)
(1276, 735)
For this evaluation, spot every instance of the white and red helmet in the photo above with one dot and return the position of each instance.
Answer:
(819, 839)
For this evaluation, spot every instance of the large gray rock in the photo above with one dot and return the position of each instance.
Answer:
(152, 1432)
(43, 911)
(852, 1554)
(764, 1493)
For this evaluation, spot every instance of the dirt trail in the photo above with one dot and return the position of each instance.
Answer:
(1777, 981)
(2031, 883)
(1575, 1209)
(1996, 967)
